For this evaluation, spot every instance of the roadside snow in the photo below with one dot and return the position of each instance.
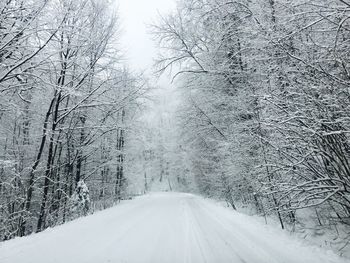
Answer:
(163, 227)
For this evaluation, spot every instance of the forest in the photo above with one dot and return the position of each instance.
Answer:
(262, 118)
(66, 102)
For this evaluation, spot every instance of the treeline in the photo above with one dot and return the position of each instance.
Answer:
(66, 103)
(266, 111)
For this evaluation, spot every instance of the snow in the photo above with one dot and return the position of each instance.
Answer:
(163, 227)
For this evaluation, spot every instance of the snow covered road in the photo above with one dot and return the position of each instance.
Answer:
(161, 228)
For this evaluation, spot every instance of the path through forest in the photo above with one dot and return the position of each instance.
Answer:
(162, 227)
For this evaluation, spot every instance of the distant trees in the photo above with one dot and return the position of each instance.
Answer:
(65, 105)
(265, 88)
(157, 161)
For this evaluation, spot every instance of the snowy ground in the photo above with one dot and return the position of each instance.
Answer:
(163, 227)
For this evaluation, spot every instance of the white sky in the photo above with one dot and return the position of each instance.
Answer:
(135, 15)
(140, 51)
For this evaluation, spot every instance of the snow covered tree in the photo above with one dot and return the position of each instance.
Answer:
(265, 89)
(65, 96)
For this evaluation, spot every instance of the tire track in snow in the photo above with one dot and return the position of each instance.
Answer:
(209, 233)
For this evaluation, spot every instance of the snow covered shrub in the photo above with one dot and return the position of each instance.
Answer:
(11, 198)
(81, 199)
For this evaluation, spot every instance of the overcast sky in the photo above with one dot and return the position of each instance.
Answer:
(140, 51)
(135, 15)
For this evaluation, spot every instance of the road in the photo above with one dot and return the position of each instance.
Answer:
(161, 228)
